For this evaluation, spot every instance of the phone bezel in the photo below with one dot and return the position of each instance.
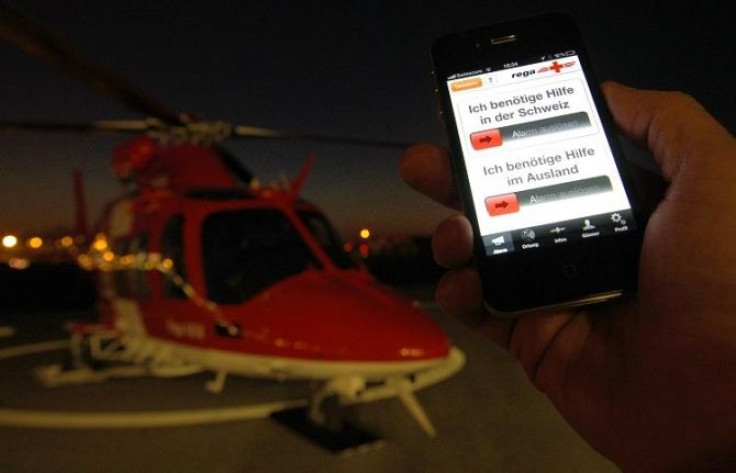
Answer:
(608, 265)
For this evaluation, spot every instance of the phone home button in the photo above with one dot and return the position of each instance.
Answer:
(570, 271)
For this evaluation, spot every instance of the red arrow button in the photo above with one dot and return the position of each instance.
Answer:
(502, 204)
(486, 139)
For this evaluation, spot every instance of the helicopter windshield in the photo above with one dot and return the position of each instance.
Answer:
(247, 251)
(327, 237)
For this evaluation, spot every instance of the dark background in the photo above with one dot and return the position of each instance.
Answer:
(351, 68)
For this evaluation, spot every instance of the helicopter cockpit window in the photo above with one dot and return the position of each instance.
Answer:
(172, 248)
(327, 237)
(247, 251)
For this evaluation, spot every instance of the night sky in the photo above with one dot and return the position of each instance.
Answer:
(342, 68)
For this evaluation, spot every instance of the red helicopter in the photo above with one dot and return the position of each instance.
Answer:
(201, 268)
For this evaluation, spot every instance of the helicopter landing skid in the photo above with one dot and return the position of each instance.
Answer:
(98, 353)
(323, 420)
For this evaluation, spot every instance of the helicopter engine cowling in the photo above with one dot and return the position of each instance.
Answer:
(133, 156)
(176, 167)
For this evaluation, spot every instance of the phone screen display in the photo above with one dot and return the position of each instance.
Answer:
(539, 164)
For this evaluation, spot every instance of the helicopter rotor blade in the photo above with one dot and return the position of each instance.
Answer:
(241, 131)
(101, 126)
(39, 41)
(123, 126)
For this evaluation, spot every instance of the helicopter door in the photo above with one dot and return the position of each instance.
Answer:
(174, 315)
(172, 249)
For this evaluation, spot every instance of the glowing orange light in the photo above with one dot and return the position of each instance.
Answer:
(108, 256)
(35, 242)
(127, 260)
(85, 262)
(365, 233)
(67, 241)
(167, 264)
(100, 243)
(9, 241)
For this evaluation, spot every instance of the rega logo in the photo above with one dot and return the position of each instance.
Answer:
(523, 73)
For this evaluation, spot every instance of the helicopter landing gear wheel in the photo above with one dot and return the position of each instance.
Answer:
(325, 406)
(327, 414)
(323, 421)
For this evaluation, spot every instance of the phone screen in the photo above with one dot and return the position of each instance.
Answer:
(540, 167)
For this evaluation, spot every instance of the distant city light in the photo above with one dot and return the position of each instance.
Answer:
(7, 331)
(127, 260)
(35, 242)
(364, 250)
(100, 243)
(19, 263)
(365, 233)
(9, 241)
(85, 262)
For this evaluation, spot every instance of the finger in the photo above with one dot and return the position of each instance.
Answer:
(527, 338)
(675, 127)
(650, 186)
(498, 330)
(459, 295)
(426, 169)
(452, 243)
(532, 337)
(572, 345)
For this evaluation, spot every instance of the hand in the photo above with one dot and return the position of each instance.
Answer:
(649, 382)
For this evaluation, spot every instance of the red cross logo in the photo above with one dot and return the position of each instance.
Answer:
(556, 67)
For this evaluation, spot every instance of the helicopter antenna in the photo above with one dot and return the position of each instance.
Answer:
(298, 182)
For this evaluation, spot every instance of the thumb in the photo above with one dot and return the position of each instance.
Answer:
(688, 144)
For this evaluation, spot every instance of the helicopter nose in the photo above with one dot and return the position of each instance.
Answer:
(347, 317)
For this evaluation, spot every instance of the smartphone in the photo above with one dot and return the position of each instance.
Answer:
(537, 166)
